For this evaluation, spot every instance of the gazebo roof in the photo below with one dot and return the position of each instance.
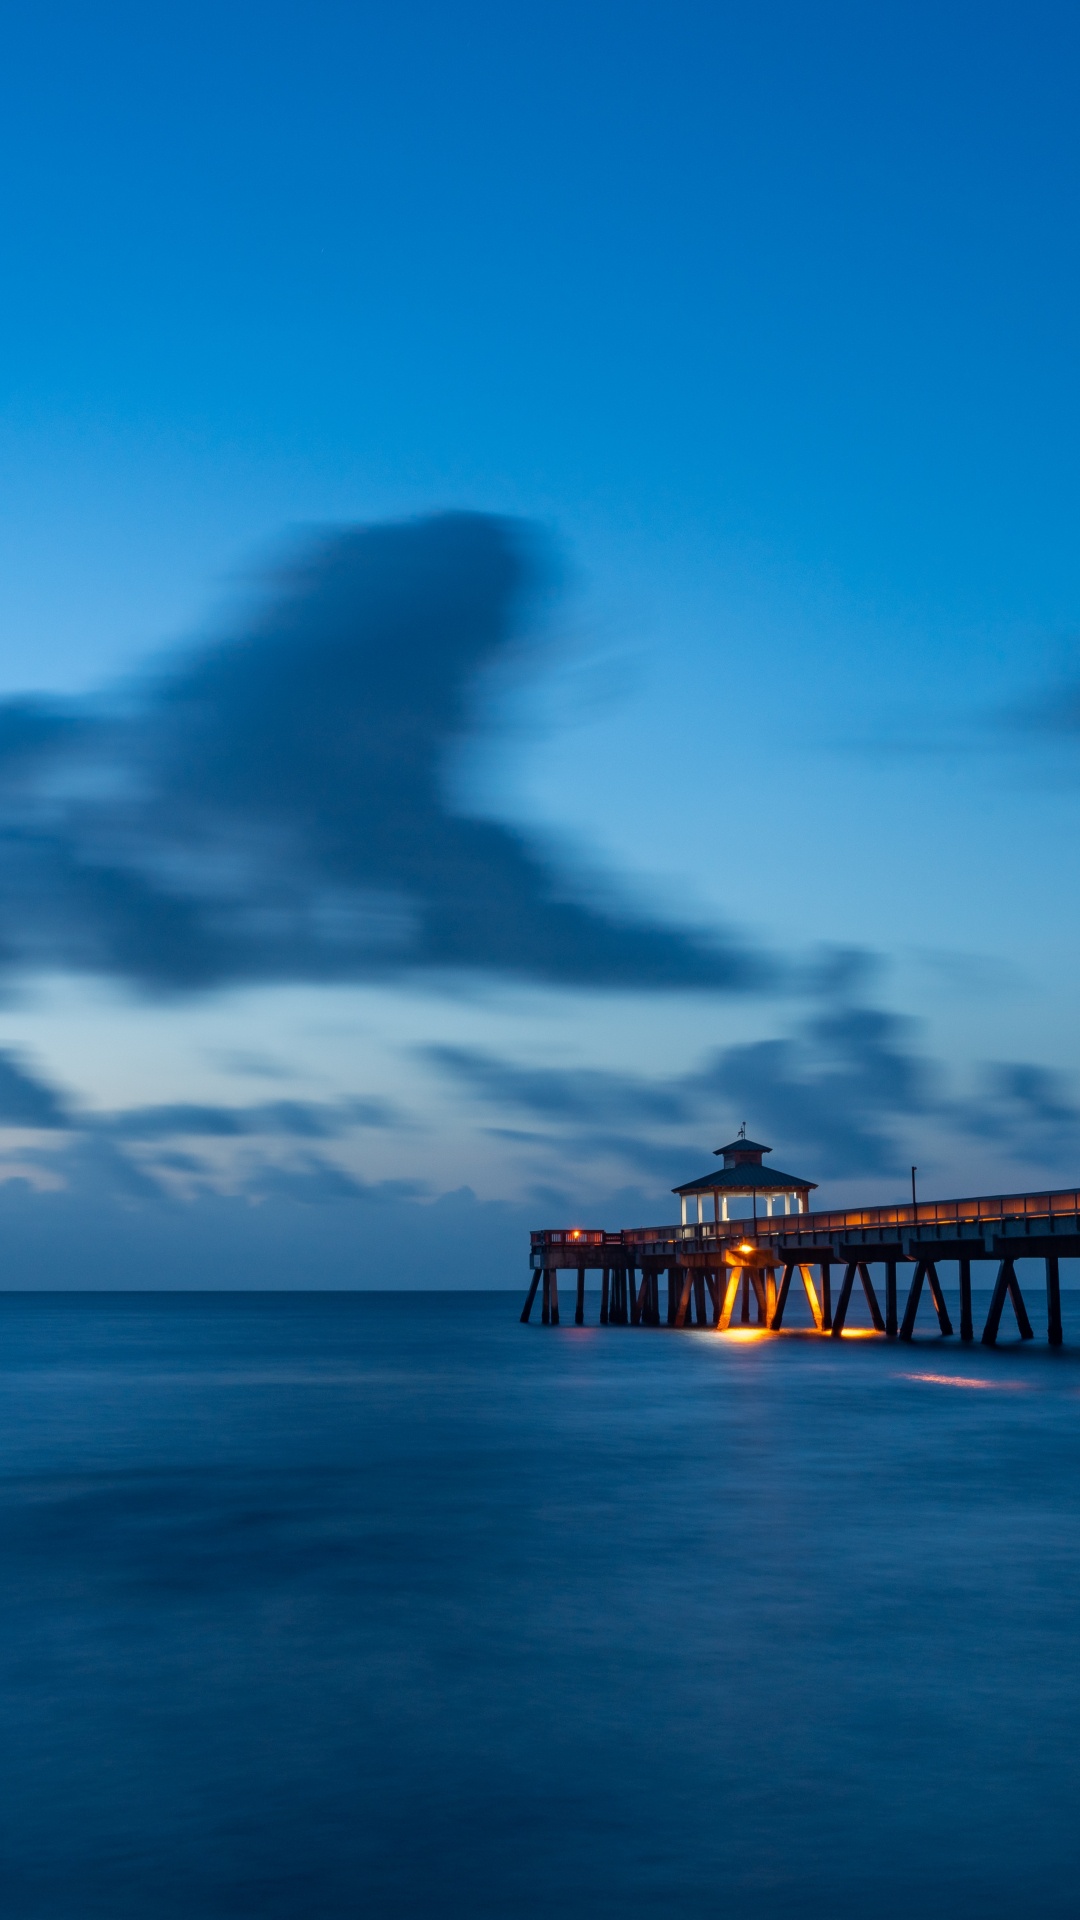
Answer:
(751, 1177)
(743, 1145)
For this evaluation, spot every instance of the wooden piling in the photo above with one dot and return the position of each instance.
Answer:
(890, 1299)
(871, 1298)
(811, 1295)
(914, 1291)
(1006, 1286)
(530, 1296)
(840, 1316)
(826, 1296)
(730, 1295)
(545, 1317)
(579, 1309)
(1053, 1301)
(777, 1320)
(857, 1270)
(967, 1331)
(938, 1297)
(554, 1278)
(997, 1302)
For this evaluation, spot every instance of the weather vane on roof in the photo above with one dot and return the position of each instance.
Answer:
(742, 1131)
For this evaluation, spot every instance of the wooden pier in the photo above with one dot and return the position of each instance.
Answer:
(721, 1273)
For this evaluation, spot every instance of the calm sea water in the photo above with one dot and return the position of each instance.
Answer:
(372, 1605)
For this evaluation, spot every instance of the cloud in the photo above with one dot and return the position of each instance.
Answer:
(840, 1097)
(575, 1094)
(837, 1087)
(275, 806)
(293, 1119)
(1029, 1108)
(107, 1228)
(26, 1101)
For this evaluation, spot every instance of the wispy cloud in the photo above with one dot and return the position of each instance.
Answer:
(289, 1119)
(26, 1100)
(843, 1095)
(275, 806)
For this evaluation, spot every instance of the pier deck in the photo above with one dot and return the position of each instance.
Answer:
(717, 1266)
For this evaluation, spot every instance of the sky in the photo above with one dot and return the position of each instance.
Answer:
(539, 592)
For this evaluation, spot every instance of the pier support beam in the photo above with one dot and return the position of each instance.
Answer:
(579, 1309)
(731, 1278)
(826, 1297)
(1006, 1284)
(890, 1299)
(1053, 1301)
(967, 1331)
(530, 1296)
(811, 1297)
(856, 1269)
(781, 1301)
(925, 1270)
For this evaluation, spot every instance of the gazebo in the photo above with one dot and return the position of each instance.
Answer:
(744, 1176)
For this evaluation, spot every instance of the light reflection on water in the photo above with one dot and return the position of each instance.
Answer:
(363, 1605)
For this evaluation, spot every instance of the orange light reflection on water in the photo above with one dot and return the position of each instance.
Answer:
(745, 1333)
(964, 1380)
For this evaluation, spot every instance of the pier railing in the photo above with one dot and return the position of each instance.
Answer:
(837, 1220)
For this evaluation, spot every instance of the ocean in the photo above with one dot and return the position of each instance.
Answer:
(373, 1604)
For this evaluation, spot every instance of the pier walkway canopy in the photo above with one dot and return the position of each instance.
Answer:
(744, 1176)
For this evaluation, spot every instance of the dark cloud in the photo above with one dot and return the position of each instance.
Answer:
(26, 1101)
(563, 1093)
(1030, 1109)
(835, 1092)
(837, 1088)
(275, 806)
(293, 1119)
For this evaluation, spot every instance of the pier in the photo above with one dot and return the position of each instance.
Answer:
(723, 1272)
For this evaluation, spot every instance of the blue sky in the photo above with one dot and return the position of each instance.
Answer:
(741, 343)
